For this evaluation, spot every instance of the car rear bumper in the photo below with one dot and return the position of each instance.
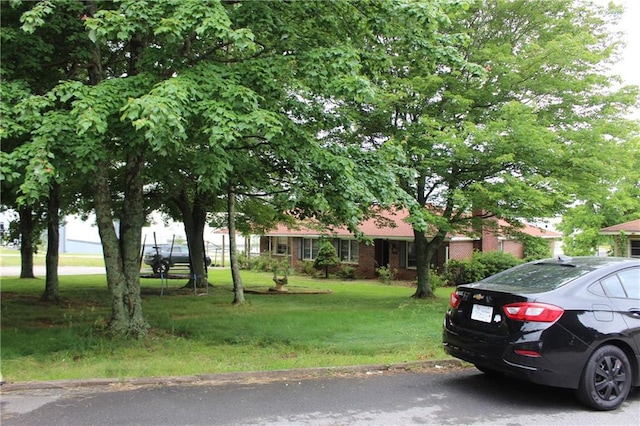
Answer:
(551, 368)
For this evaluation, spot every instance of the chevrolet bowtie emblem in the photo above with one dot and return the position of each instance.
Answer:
(478, 296)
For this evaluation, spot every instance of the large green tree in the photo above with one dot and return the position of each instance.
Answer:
(33, 61)
(526, 124)
(617, 201)
(226, 98)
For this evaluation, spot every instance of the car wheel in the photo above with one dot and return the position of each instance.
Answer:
(606, 379)
(161, 267)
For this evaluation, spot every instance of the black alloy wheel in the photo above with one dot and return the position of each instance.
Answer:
(606, 380)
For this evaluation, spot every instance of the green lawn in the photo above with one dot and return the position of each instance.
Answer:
(359, 322)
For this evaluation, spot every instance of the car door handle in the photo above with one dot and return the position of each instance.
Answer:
(635, 312)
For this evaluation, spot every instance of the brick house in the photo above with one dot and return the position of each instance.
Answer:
(393, 245)
(628, 234)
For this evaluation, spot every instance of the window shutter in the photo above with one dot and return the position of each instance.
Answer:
(403, 253)
(298, 241)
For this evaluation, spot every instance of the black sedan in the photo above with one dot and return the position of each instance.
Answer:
(565, 322)
(165, 256)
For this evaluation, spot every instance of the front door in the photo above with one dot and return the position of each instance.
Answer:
(382, 252)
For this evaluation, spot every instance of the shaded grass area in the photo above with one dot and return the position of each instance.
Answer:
(359, 322)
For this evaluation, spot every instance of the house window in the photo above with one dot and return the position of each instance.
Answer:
(634, 248)
(309, 248)
(412, 257)
(349, 251)
(282, 245)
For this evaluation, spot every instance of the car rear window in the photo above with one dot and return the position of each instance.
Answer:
(538, 276)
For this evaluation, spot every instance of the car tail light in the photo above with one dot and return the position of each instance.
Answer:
(536, 312)
(530, 354)
(454, 300)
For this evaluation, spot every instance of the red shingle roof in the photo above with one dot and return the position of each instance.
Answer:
(631, 227)
(382, 228)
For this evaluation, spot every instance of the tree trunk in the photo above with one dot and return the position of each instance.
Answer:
(194, 219)
(238, 291)
(26, 242)
(424, 253)
(121, 256)
(52, 288)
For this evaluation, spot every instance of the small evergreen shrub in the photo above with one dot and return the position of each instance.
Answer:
(326, 258)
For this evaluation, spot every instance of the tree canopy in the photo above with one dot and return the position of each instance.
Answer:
(458, 110)
(528, 123)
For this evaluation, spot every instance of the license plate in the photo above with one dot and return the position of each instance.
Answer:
(481, 313)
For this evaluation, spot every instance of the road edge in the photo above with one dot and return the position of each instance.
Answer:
(238, 377)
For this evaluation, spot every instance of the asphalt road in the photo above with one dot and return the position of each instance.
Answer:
(430, 397)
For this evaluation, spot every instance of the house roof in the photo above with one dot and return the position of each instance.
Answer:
(389, 225)
(631, 228)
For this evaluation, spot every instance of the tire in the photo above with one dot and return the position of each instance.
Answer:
(606, 379)
(161, 267)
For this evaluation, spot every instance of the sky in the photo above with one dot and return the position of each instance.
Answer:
(629, 66)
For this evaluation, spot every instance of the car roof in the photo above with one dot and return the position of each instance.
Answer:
(165, 246)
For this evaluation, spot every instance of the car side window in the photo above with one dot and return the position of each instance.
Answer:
(597, 289)
(612, 286)
(630, 279)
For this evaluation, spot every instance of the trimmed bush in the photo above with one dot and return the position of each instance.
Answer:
(463, 272)
(480, 266)
(495, 261)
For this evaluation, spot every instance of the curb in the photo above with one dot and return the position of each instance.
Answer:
(240, 377)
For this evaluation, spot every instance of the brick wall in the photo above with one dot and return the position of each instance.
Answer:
(366, 261)
(460, 250)
(513, 247)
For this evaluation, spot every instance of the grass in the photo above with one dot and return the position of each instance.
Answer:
(12, 258)
(359, 322)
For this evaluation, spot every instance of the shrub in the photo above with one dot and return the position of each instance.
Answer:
(495, 261)
(463, 272)
(436, 280)
(306, 267)
(244, 261)
(480, 266)
(386, 274)
(347, 272)
(262, 264)
(327, 256)
(536, 248)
